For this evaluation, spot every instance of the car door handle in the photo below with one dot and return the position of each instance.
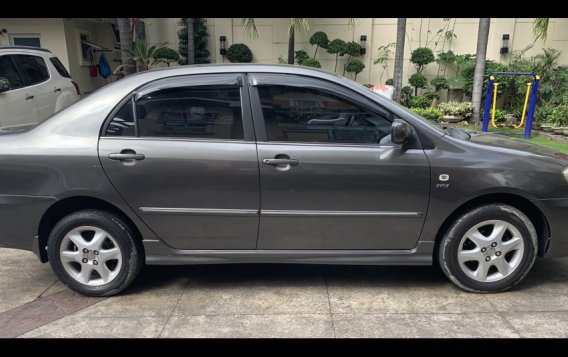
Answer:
(29, 97)
(276, 162)
(126, 156)
(56, 90)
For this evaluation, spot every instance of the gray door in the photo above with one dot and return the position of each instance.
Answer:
(188, 165)
(330, 178)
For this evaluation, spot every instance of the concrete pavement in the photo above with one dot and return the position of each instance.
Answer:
(281, 301)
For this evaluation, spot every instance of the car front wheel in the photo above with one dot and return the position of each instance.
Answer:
(489, 249)
(94, 253)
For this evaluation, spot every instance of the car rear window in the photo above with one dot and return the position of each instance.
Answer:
(59, 67)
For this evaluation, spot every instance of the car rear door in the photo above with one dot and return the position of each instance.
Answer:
(330, 177)
(188, 164)
(16, 106)
(39, 87)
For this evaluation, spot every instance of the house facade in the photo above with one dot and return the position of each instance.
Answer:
(67, 38)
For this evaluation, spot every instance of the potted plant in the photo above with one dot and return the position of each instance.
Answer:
(455, 112)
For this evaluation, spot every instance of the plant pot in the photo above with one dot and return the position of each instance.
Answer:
(453, 119)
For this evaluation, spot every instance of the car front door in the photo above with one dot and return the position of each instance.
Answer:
(330, 177)
(16, 105)
(181, 152)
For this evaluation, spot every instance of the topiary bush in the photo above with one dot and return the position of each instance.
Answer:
(167, 55)
(439, 83)
(337, 47)
(417, 80)
(311, 62)
(431, 96)
(319, 39)
(239, 53)
(432, 114)
(355, 66)
(390, 82)
(421, 57)
(301, 56)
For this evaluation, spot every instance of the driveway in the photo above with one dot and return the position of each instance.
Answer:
(281, 301)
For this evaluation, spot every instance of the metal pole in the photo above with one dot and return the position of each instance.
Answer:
(532, 107)
(488, 99)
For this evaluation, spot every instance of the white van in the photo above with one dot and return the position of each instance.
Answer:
(33, 85)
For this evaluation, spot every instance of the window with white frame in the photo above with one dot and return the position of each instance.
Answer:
(86, 53)
(26, 39)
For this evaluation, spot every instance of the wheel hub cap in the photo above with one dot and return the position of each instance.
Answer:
(491, 251)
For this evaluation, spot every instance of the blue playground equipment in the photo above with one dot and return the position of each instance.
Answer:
(530, 100)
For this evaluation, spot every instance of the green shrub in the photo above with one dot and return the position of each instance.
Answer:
(456, 109)
(406, 95)
(421, 57)
(432, 114)
(390, 82)
(439, 83)
(420, 101)
(301, 56)
(431, 96)
(337, 47)
(239, 53)
(311, 62)
(559, 115)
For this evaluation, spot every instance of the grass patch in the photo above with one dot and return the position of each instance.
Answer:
(549, 143)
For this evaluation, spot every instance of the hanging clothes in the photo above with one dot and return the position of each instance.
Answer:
(104, 68)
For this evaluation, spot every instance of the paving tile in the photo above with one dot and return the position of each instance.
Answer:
(399, 290)
(78, 326)
(539, 324)
(243, 326)
(486, 325)
(254, 290)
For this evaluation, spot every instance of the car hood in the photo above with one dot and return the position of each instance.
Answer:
(502, 141)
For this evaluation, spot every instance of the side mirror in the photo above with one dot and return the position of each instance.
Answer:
(401, 132)
(4, 84)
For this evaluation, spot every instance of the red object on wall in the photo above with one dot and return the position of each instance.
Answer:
(94, 71)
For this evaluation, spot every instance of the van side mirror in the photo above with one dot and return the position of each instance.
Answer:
(401, 132)
(4, 84)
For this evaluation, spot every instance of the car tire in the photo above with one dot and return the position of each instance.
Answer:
(94, 253)
(488, 249)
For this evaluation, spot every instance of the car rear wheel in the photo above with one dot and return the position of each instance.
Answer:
(94, 253)
(489, 249)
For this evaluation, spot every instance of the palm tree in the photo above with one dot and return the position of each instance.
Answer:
(479, 73)
(125, 34)
(190, 40)
(296, 23)
(399, 58)
(540, 28)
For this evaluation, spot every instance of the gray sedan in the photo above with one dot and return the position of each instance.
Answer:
(272, 164)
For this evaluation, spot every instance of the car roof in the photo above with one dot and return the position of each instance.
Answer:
(27, 48)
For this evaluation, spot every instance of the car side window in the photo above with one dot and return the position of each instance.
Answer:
(122, 124)
(59, 67)
(208, 112)
(8, 70)
(32, 68)
(308, 115)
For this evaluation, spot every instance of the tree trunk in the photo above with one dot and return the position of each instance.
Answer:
(482, 36)
(140, 31)
(190, 41)
(291, 40)
(125, 33)
(399, 59)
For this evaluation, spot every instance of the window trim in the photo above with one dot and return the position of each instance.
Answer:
(88, 37)
(260, 79)
(26, 85)
(24, 35)
(197, 80)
